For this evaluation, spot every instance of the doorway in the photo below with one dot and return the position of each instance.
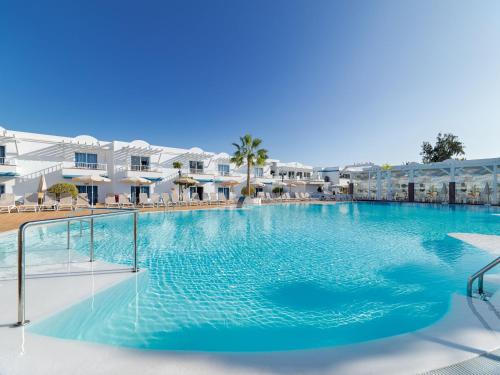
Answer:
(135, 191)
(196, 190)
(91, 191)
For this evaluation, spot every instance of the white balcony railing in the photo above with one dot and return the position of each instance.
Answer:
(196, 170)
(143, 168)
(5, 161)
(84, 165)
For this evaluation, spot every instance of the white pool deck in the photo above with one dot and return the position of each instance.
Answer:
(472, 327)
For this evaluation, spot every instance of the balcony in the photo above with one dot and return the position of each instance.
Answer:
(196, 171)
(8, 167)
(149, 172)
(73, 169)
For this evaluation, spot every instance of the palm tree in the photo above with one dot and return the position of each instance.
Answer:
(248, 152)
(178, 165)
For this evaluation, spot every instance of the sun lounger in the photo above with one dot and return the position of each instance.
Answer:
(82, 201)
(30, 203)
(214, 200)
(110, 202)
(176, 201)
(144, 200)
(155, 200)
(166, 201)
(125, 202)
(7, 203)
(66, 203)
(49, 203)
(194, 200)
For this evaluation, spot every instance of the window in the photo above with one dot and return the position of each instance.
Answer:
(195, 167)
(299, 174)
(259, 172)
(86, 161)
(91, 191)
(2, 189)
(139, 163)
(291, 174)
(2, 154)
(224, 169)
(307, 174)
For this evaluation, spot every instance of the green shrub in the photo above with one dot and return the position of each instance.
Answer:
(62, 188)
(278, 190)
(244, 191)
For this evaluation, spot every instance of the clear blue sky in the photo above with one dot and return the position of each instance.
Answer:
(323, 82)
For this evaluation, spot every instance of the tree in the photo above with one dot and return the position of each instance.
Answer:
(63, 188)
(278, 190)
(248, 152)
(447, 146)
(244, 190)
(178, 165)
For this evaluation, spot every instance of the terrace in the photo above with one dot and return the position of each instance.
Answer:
(452, 181)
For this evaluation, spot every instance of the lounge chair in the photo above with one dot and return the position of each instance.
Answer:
(30, 203)
(82, 201)
(213, 200)
(194, 200)
(155, 200)
(144, 201)
(176, 201)
(166, 201)
(125, 202)
(7, 203)
(66, 203)
(49, 203)
(110, 202)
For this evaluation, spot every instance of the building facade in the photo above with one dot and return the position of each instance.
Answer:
(25, 157)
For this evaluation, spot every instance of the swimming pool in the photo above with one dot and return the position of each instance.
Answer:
(274, 278)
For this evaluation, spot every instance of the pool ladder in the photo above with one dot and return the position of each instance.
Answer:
(480, 276)
(21, 256)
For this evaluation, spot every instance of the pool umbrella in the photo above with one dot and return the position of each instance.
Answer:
(136, 181)
(185, 181)
(91, 180)
(42, 187)
(230, 184)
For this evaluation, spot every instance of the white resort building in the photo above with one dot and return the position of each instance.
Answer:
(25, 157)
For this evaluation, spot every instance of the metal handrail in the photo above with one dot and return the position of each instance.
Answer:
(21, 274)
(480, 276)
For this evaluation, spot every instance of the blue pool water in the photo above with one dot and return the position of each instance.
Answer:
(275, 277)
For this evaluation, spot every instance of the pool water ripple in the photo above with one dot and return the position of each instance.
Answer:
(275, 278)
